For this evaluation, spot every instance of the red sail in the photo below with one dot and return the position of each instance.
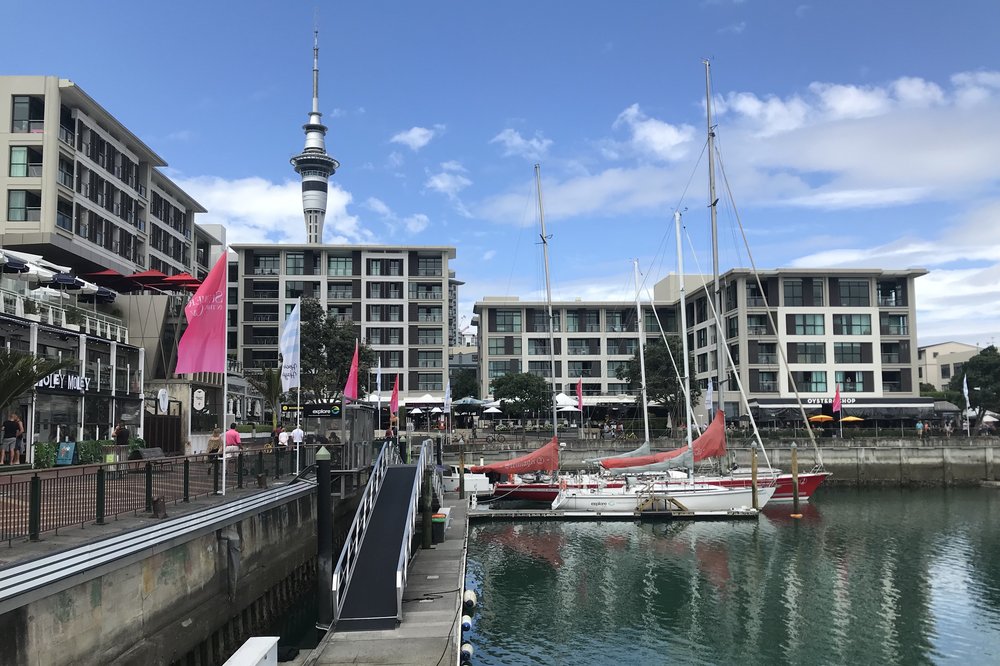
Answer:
(545, 459)
(711, 444)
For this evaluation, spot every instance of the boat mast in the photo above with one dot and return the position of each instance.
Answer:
(548, 300)
(720, 338)
(684, 338)
(642, 351)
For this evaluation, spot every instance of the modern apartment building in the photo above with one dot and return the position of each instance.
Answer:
(939, 363)
(398, 297)
(591, 341)
(853, 328)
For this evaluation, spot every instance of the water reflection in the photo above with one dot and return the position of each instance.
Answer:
(863, 577)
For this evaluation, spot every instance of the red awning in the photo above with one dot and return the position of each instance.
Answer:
(711, 444)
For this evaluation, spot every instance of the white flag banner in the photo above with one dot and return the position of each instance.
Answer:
(378, 382)
(289, 348)
(965, 390)
(709, 398)
(447, 398)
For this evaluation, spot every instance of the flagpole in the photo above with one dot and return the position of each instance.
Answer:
(225, 365)
(298, 422)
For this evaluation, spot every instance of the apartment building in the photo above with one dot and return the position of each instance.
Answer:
(397, 297)
(937, 364)
(853, 328)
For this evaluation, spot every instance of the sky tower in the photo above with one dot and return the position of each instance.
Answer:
(313, 163)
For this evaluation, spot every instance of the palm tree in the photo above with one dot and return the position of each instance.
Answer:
(19, 372)
(268, 384)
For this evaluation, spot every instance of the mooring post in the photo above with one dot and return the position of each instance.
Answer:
(753, 474)
(461, 470)
(324, 541)
(795, 481)
(425, 509)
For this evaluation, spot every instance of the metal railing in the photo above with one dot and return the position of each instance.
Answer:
(72, 496)
(355, 536)
(403, 563)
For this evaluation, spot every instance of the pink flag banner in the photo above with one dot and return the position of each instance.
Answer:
(351, 388)
(394, 402)
(836, 400)
(579, 395)
(203, 345)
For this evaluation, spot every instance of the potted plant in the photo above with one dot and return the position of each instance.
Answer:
(73, 319)
(31, 310)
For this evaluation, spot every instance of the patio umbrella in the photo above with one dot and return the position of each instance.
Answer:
(820, 418)
(416, 410)
(492, 410)
(436, 410)
(851, 419)
(568, 408)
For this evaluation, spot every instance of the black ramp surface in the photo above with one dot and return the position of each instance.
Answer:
(371, 597)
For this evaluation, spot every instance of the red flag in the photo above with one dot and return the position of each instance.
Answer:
(579, 395)
(836, 400)
(351, 388)
(203, 346)
(394, 403)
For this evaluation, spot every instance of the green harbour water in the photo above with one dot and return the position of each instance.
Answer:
(865, 577)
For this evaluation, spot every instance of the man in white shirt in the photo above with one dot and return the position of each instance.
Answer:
(298, 435)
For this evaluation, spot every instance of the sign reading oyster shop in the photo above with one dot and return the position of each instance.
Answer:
(65, 382)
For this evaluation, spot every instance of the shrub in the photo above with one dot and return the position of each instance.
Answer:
(45, 454)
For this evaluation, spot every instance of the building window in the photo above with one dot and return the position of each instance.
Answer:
(429, 381)
(852, 324)
(266, 264)
(701, 338)
(593, 322)
(613, 367)
(810, 352)
(891, 294)
(767, 382)
(498, 368)
(538, 347)
(848, 352)
(429, 336)
(540, 368)
(28, 115)
(851, 381)
(508, 321)
(808, 324)
(429, 313)
(811, 381)
(767, 353)
(893, 324)
(429, 266)
(294, 289)
(622, 346)
(339, 266)
(945, 371)
(702, 362)
(429, 359)
(23, 206)
(295, 263)
(339, 291)
(854, 293)
(540, 321)
(755, 299)
(732, 327)
(793, 292)
(756, 324)
(496, 346)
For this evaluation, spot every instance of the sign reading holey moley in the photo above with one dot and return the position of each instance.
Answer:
(65, 381)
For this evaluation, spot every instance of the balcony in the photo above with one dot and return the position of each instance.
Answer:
(430, 364)
(67, 136)
(890, 302)
(422, 340)
(767, 359)
(767, 387)
(264, 340)
(65, 179)
(756, 330)
(756, 302)
(891, 358)
(430, 318)
(892, 387)
(264, 294)
(265, 270)
(28, 126)
(268, 316)
(895, 329)
(426, 296)
(339, 295)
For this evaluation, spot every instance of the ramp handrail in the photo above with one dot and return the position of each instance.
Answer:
(403, 564)
(355, 536)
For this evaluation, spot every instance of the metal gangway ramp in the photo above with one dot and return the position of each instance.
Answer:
(370, 576)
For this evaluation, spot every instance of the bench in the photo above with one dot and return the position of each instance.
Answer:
(152, 455)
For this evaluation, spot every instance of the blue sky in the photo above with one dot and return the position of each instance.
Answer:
(853, 133)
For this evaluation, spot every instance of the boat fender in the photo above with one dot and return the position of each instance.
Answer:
(466, 623)
(469, 600)
(467, 652)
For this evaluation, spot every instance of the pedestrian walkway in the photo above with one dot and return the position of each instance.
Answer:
(430, 633)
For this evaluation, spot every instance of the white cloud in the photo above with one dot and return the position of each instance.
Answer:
(654, 137)
(917, 92)
(395, 160)
(413, 223)
(489, 254)
(449, 181)
(845, 101)
(378, 206)
(733, 29)
(416, 137)
(256, 210)
(514, 144)
(416, 223)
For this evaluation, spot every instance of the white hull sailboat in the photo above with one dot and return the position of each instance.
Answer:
(697, 497)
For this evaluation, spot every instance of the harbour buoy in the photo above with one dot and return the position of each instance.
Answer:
(469, 600)
(467, 651)
(466, 623)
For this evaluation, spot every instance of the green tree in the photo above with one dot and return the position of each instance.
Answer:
(663, 385)
(464, 384)
(523, 391)
(268, 384)
(20, 372)
(326, 353)
(983, 373)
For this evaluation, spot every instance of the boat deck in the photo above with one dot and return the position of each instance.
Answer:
(549, 514)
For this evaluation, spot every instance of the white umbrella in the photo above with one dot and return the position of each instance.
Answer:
(426, 398)
(492, 410)
(568, 408)
(416, 410)
(436, 410)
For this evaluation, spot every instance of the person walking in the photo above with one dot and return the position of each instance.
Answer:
(20, 450)
(11, 430)
(920, 429)
(233, 441)
(121, 434)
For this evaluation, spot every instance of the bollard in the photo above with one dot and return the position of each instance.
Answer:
(187, 479)
(324, 541)
(425, 510)
(461, 471)
(149, 486)
(260, 462)
(215, 471)
(438, 451)
(753, 475)
(100, 496)
(795, 481)
(35, 509)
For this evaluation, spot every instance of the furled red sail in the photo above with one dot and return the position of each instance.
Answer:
(544, 459)
(711, 444)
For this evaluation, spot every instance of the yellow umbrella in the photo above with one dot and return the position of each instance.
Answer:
(851, 419)
(820, 418)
